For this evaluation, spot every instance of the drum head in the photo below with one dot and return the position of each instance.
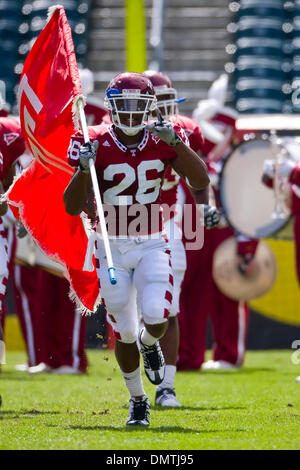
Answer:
(247, 203)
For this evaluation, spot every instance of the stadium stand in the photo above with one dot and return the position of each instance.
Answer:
(20, 23)
(192, 60)
(262, 55)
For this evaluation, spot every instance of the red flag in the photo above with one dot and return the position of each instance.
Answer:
(48, 89)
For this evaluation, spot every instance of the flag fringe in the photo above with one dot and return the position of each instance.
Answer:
(83, 310)
(52, 10)
(87, 225)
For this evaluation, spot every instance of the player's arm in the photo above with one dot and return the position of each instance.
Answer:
(190, 166)
(77, 193)
(201, 196)
(9, 177)
(187, 164)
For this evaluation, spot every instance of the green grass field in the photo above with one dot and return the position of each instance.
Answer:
(257, 407)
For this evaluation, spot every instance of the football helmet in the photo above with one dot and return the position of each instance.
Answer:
(165, 93)
(130, 98)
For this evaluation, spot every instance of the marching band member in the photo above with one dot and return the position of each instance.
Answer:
(288, 169)
(130, 165)
(200, 297)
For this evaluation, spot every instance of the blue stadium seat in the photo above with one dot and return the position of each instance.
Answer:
(258, 105)
(10, 9)
(252, 26)
(252, 66)
(262, 11)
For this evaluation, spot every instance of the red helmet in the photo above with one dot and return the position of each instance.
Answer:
(130, 98)
(165, 93)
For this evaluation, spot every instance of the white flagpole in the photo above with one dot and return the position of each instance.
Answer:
(111, 268)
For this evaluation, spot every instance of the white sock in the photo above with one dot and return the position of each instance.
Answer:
(133, 381)
(2, 352)
(169, 377)
(147, 339)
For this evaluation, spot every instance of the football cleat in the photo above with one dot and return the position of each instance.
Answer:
(167, 397)
(139, 412)
(154, 361)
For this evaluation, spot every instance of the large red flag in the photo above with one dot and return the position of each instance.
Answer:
(49, 88)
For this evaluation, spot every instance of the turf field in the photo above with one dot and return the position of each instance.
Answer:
(257, 407)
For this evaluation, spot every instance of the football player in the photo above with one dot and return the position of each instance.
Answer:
(11, 147)
(130, 158)
(174, 191)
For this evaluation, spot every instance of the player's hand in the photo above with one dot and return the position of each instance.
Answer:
(87, 151)
(21, 230)
(247, 265)
(165, 132)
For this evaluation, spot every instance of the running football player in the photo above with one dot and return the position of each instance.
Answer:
(130, 158)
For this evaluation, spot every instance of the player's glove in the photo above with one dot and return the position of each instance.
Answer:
(21, 230)
(165, 132)
(87, 151)
(211, 216)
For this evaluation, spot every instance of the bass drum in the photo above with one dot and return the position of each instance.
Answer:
(247, 203)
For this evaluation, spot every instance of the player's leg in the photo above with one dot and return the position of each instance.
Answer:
(165, 393)
(119, 300)
(153, 279)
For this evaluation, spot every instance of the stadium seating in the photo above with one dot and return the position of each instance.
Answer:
(20, 23)
(261, 56)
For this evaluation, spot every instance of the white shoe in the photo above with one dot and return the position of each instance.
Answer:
(39, 369)
(66, 370)
(208, 365)
(298, 378)
(218, 365)
(22, 367)
(167, 397)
